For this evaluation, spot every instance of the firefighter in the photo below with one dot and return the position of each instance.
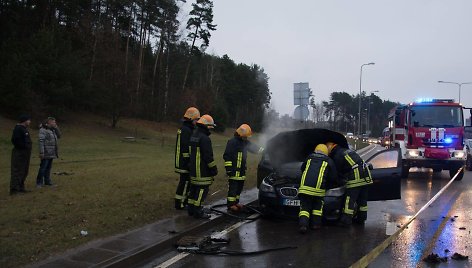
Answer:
(202, 166)
(235, 157)
(318, 169)
(352, 168)
(182, 156)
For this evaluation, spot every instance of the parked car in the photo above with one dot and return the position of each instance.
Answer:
(279, 173)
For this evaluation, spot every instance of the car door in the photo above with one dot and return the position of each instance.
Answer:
(386, 174)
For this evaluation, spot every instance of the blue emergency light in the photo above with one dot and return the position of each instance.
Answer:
(448, 140)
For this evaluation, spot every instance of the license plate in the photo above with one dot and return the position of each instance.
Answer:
(291, 202)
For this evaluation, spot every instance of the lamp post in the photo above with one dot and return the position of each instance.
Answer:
(360, 94)
(459, 84)
(368, 111)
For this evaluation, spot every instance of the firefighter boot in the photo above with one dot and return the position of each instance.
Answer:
(200, 214)
(303, 224)
(190, 209)
(234, 208)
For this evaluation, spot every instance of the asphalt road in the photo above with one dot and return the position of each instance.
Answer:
(439, 229)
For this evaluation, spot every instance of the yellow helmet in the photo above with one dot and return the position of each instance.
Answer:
(321, 148)
(330, 146)
(244, 131)
(206, 120)
(192, 113)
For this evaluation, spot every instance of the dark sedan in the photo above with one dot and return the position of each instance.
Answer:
(279, 173)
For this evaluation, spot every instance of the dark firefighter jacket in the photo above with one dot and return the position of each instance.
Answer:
(351, 167)
(235, 157)
(182, 149)
(318, 171)
(202, 165)
(21, 138)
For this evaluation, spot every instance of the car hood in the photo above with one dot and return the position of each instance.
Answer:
(295, 146)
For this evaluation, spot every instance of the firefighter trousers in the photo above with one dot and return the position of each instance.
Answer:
(235, 187)
(357, 195)
(310, 207)
(196, 196)
(181, 194)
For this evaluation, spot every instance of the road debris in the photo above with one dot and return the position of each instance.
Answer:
(83, 233)
(459, 257)
(434, 258)
(462, 228)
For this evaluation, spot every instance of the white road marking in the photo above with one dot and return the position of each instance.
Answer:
(215, 192)
(375, 146)
(182, 255)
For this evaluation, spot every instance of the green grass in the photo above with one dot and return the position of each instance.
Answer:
(113, 186)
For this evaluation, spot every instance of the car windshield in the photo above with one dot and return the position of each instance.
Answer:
(436, 116)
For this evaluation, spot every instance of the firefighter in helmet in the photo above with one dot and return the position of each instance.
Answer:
(235, 157)
(202, 166)
(318, 170)
(182, 155)
(352, 168)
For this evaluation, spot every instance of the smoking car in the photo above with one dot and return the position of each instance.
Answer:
(279, 173)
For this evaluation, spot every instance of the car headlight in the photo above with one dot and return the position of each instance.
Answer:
(265, 187)
(459, 154)
(413, 153)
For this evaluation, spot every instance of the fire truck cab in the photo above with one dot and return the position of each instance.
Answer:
(430, 133)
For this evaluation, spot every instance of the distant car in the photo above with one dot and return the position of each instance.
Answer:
(468, 148)
(350, 135)
(279, 173)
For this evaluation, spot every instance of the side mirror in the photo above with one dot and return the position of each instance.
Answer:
(370, 166)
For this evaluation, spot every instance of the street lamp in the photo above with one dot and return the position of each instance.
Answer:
(459, 84)
(368, 111)
(360, 94)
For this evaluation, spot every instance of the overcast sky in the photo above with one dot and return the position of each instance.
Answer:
(414, 43)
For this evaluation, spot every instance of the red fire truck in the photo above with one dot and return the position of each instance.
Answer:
(430, 133)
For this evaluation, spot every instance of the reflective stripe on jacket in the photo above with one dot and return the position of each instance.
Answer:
(350, 165)
(235, 157)
(202, 165)
(182, 149)
(317, 170)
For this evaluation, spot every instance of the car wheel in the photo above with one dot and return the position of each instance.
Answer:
(453, 172)
(468, 163)
(405, 170)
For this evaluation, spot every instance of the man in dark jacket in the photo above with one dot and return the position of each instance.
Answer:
(318, 169)
(182, 156)
(49, 134)
(235, 157)
(352, 168)
(202, 167)
(20, 155)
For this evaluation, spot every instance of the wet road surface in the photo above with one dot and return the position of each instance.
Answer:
(443, 228)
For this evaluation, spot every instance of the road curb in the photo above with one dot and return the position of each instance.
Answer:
(146, 254)
(139, 245)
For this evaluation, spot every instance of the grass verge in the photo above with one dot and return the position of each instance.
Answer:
(110, 186)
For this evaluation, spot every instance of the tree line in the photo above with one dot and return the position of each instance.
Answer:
(342, 112)
(122, 58)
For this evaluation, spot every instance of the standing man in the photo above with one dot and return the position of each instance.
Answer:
(354, 171)
(182, 156)
(20, 155)
(202, 166)
(235, 157)
(48, 150)
(318, 169)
